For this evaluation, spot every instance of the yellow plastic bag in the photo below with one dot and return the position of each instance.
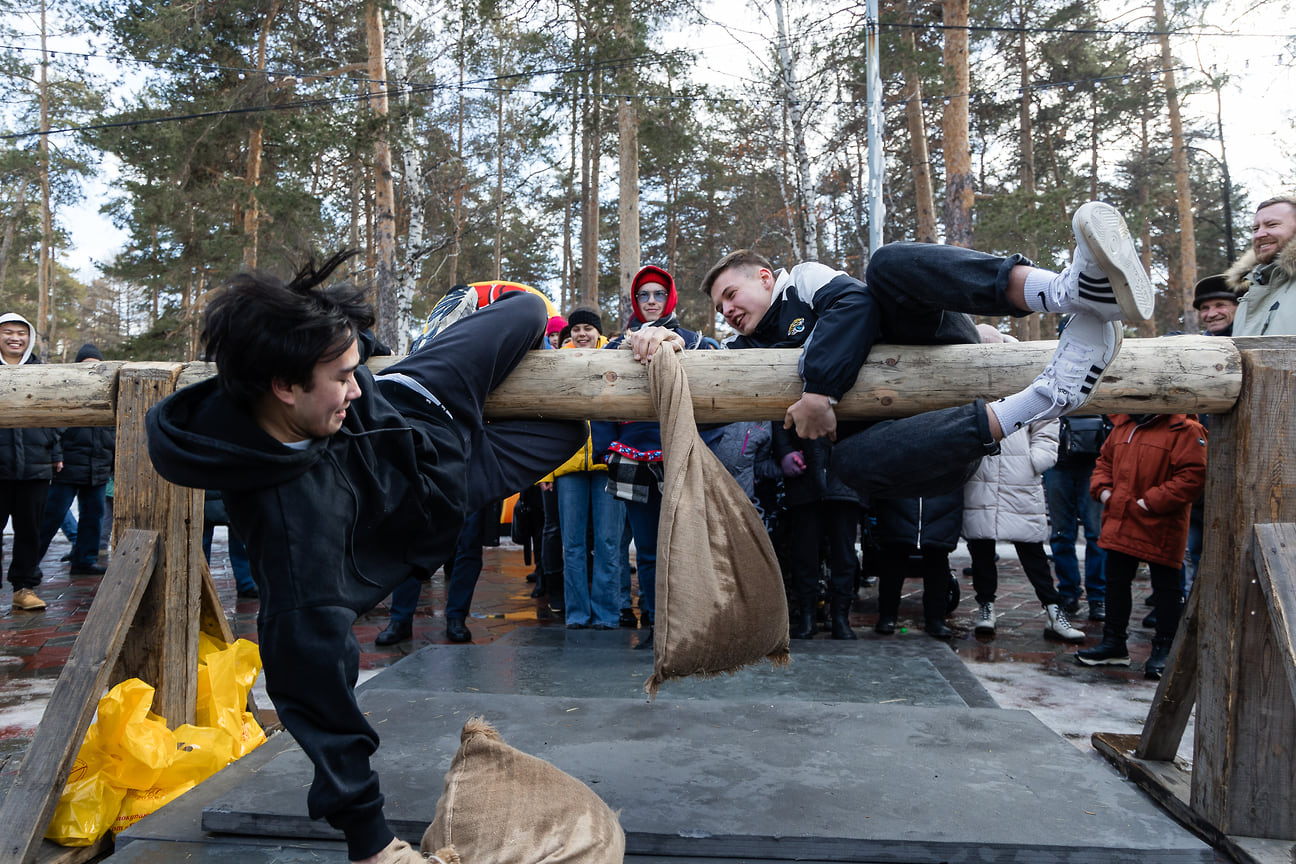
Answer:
(135, 744)
(225, 676)
(86, 809)
(131, 764)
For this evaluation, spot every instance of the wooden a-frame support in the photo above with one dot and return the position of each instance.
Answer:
(1234, 655)
(144, 623)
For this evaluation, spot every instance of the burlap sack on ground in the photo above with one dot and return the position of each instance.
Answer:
(720, 600)
(502, 806)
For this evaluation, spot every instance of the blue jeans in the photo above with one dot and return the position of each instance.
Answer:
(90, 508)
(466, 568)
(583, 499)
(917, 291)
(643, 525)
(1069, 505)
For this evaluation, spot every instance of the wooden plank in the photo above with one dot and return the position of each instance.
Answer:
(1167, 782)
(162, 647)
(1275, 555)
(1176, 693)
(1258, 850)
(1243, 759)
(52, 853)
(44, 770)
(1173, 374)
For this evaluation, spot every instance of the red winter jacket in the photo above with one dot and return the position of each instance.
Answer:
(1162, 461)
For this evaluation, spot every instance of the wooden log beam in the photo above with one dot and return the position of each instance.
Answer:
(1173, 374)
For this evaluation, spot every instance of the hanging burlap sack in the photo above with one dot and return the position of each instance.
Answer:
(502, 806)
(720, 600)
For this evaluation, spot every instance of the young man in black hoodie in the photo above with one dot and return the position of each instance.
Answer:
(341, 484)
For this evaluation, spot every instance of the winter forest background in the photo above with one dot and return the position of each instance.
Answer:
(505, 139)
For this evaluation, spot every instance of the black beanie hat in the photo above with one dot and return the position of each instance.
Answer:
(585, 315)
(87, 352)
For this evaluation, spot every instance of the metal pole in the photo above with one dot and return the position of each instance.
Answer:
(877, 168)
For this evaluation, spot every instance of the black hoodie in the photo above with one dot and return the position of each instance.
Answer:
(330, 530)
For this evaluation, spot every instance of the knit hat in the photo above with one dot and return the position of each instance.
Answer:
(1212, 288)
(585, 315)
(88, 351)
(556, 324)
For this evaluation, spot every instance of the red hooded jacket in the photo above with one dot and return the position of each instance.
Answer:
(1161, 460)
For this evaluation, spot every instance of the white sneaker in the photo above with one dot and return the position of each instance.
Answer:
(1085, 349)
(985, 621)
(1103, 243)
(1059, 625)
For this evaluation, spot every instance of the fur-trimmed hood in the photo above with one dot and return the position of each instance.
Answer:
(1241, 269)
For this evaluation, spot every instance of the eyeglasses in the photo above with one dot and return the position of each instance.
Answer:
(651, 296)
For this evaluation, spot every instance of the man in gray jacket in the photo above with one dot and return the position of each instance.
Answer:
(28, 460)
(1266, 274)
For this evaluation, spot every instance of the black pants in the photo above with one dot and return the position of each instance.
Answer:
(811, 523)
(901, 561)
(1167, 595)
(23, 501)
(1034, 560)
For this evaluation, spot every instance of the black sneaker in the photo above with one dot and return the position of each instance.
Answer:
(1105, 653)
(1097, 610)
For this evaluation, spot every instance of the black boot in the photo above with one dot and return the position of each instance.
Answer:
(803, 625)
(938, 628)
(840, 620)
(1156, 663)
(885, 625)
(1111, 651)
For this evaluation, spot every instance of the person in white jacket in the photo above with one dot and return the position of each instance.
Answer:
(1004, 501)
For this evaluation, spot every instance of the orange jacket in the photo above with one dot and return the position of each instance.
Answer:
(1163, 462)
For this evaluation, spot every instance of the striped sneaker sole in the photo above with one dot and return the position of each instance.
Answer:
(1108, 238)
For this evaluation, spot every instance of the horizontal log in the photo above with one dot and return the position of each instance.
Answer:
(1170, 374)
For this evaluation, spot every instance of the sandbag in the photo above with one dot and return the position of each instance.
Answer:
(503, 806)
(720, 599)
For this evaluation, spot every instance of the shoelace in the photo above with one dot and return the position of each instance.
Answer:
(1067, 371)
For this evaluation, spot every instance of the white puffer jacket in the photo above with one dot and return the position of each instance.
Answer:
(1004, 500)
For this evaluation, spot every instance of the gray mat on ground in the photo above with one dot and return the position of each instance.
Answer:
(781, 780)
(593, 664)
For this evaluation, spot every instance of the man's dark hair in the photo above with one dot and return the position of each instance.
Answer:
(741, 258)
(260, 329)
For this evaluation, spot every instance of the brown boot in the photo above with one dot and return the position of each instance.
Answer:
(26, 600)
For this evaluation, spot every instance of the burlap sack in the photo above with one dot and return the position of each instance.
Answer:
(502, 806)
(720, 600)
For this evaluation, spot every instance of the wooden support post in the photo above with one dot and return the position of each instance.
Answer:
(1244, 761)
(1173, 703)
(163, 645)
(30, 802)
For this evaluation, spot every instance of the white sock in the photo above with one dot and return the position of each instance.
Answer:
(1039, 284)
(1020, 408)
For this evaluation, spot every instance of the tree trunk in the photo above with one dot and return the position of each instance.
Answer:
(567, 291)
(415, 191)
(499, 159)
(456, 203)
(40, 338)
(919, 157)
(591, 153)
(809, 237)
(954, 126)
(17, 214)
(256, 135)
(387, 327)
(1183, 192)
(1026, 329)
(628, 203)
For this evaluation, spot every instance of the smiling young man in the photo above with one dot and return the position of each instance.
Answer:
(913, 294)
(29, 459)
(342, 484)
(1264, 276)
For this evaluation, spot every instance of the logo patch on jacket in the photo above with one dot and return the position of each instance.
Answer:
(796, 327)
